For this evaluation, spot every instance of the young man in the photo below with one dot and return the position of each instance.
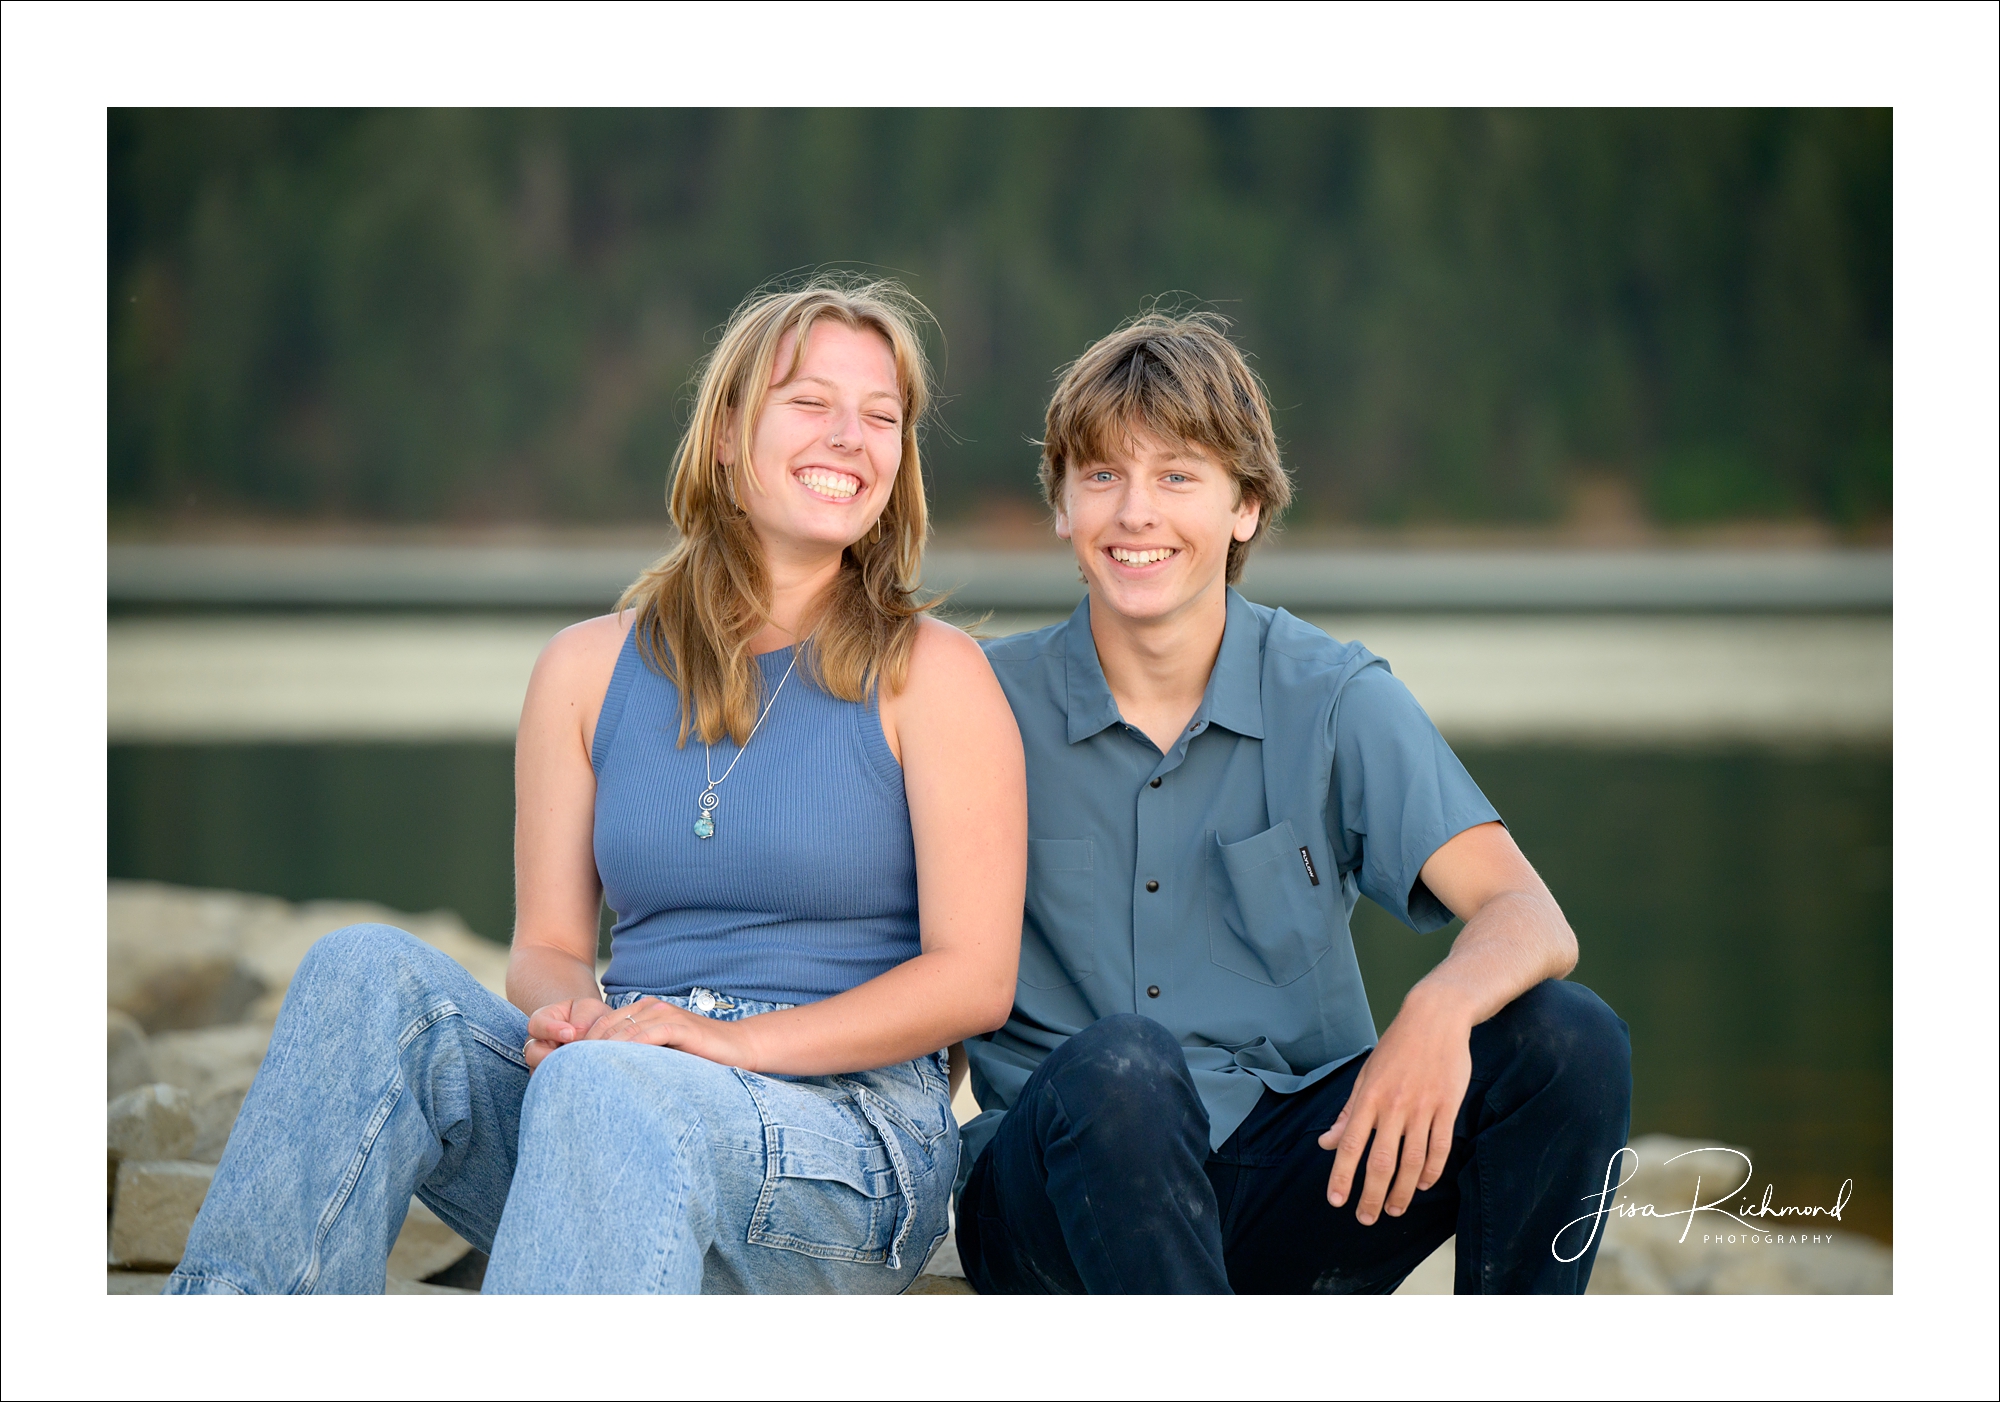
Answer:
(1189, 1095)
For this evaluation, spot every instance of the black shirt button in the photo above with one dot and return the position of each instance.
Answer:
(1152, 990)
(1155, 783)
(1152, 885)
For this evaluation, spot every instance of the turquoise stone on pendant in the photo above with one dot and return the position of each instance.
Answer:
(704, 827)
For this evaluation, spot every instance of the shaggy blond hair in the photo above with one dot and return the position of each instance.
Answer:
(1178, 376)
(700, 606)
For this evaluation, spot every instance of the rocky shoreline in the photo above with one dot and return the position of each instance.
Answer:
(195, 982)
(196, 978)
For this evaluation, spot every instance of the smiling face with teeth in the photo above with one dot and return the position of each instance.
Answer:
(826, 445)
(1151, 527)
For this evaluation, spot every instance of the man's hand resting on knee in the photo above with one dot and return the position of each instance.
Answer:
(1407, 1095)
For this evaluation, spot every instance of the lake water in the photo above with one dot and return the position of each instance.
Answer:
(1732, 904)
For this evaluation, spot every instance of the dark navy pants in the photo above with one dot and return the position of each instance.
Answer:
(1100, 1179)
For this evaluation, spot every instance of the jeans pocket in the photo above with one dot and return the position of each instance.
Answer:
(831, 1189)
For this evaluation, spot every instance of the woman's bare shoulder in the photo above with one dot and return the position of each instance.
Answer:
(944, 656)
(951, 684)
(583, 655)
(951, 705)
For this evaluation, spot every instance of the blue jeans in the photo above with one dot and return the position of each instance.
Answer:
(1100, 1178)
(617, 1168)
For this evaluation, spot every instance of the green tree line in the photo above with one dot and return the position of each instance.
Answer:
(492, 315)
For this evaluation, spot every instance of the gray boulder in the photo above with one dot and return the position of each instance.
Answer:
(153, 1282)
(1625, 1267)
(403, 1285)
(182, 958)
(128, 1063)
(207, 1059)
(1434, 1274)
(940, 1285)
(156, 1203)
(426, 1245)
(152, 1122)
(175, 959)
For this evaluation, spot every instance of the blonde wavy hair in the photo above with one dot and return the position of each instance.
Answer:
(703, 602)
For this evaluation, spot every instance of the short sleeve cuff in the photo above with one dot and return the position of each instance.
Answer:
(1399, 795)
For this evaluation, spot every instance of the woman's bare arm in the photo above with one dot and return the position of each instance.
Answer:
(552, 972)
(966, 780)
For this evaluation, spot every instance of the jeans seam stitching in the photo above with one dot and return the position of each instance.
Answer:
(424, 1023)
(486, 1039)
(479, 1034)
(761, 1213)
(383, 1109)
(681, 1157)
(905, 1185)
(893, 1112)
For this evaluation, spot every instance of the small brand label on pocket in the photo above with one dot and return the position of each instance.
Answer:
(1307, 858)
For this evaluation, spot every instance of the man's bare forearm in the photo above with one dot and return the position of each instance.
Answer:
(1512, 943)
(1413, 1085)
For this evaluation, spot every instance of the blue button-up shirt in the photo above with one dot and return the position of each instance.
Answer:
(1208, 887)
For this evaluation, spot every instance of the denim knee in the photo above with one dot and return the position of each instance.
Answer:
(584, 1067)
(359, 951)
(1574, 1035)
(592, 1081)
(1129, 1069)
(1125, 1046)
(358, 954)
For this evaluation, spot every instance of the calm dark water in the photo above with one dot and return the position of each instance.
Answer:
(1732, 906)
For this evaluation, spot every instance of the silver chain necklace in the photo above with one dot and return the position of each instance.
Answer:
(704, 822)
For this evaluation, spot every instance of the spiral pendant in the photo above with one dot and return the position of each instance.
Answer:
(704, 823)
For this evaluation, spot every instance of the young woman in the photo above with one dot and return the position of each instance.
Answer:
(805, 801)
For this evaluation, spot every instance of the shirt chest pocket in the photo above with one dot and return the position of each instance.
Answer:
(1062, 912)
(1265, 919)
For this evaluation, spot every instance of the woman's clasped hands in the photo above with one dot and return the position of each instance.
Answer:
(648, 1020)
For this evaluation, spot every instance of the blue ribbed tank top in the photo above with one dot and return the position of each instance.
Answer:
(809, 885)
